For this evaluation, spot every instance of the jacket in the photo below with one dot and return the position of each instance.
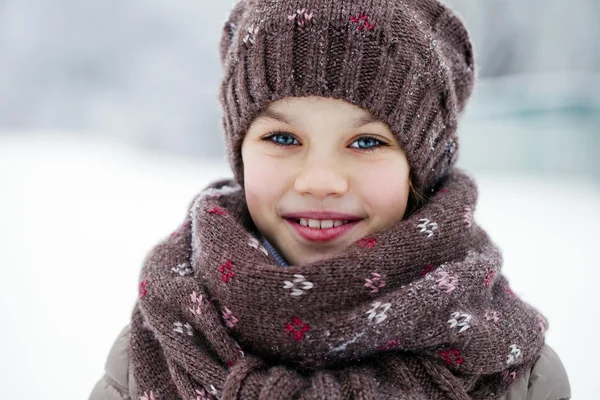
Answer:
(547, 379)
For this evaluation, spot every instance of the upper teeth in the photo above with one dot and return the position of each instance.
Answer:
(322, 224)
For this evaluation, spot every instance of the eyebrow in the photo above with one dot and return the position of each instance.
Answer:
(268, 113)
(365, 120)
(276, 116)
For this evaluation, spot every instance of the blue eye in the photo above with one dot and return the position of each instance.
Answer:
(281, 139)
(365, 143)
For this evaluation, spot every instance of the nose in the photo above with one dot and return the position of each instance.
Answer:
(321, 179)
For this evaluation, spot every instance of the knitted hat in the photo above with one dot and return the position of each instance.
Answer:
(408, 62)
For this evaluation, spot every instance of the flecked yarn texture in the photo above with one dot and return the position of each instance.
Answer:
(410, 63)
(417, 311)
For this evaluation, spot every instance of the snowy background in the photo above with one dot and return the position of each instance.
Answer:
(109, 125)
(78, 216)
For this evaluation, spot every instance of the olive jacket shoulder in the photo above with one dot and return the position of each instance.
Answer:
(547, 379)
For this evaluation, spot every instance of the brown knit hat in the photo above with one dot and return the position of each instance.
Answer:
(408, 62)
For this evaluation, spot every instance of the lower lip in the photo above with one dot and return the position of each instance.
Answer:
(321, 235)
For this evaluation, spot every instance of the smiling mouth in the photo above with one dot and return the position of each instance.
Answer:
(325, 231)
(320, 224)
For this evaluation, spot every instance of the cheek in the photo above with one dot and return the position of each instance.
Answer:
(264, 181)
(385, 189)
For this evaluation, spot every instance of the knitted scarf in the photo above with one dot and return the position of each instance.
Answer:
(419, 310)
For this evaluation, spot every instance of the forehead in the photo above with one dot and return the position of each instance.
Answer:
(300, 110)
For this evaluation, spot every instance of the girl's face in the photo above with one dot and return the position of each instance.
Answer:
(305, 158)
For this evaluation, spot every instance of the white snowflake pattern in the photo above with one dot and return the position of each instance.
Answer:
(515, 354)
(303, 16)
(491, 315)
(299, 285)
(183, 269)
(460, 320)
(427, 227)
(255, 244)
(196, 300)
(378, 312)
(182, 328)
(213, 391)
(251, 35)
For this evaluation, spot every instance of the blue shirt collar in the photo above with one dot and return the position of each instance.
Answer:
(274, 253)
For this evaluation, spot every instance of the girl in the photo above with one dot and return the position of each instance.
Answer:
(342, 262)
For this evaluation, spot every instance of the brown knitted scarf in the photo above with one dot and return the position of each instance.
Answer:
(417, 311)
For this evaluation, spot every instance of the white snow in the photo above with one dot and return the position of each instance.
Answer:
(77, 217)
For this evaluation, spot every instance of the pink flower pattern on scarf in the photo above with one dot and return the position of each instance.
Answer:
(375, 282)
(362, 22)
(147, 396)
(297, 328)
(229, 318)
(367, 242)
(218, 210)
(226, 271)
(446, 281)
(196, 301)
(143, 288)
(452, 357)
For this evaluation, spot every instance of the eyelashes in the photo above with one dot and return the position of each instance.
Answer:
(290, 139)
(271, 138)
